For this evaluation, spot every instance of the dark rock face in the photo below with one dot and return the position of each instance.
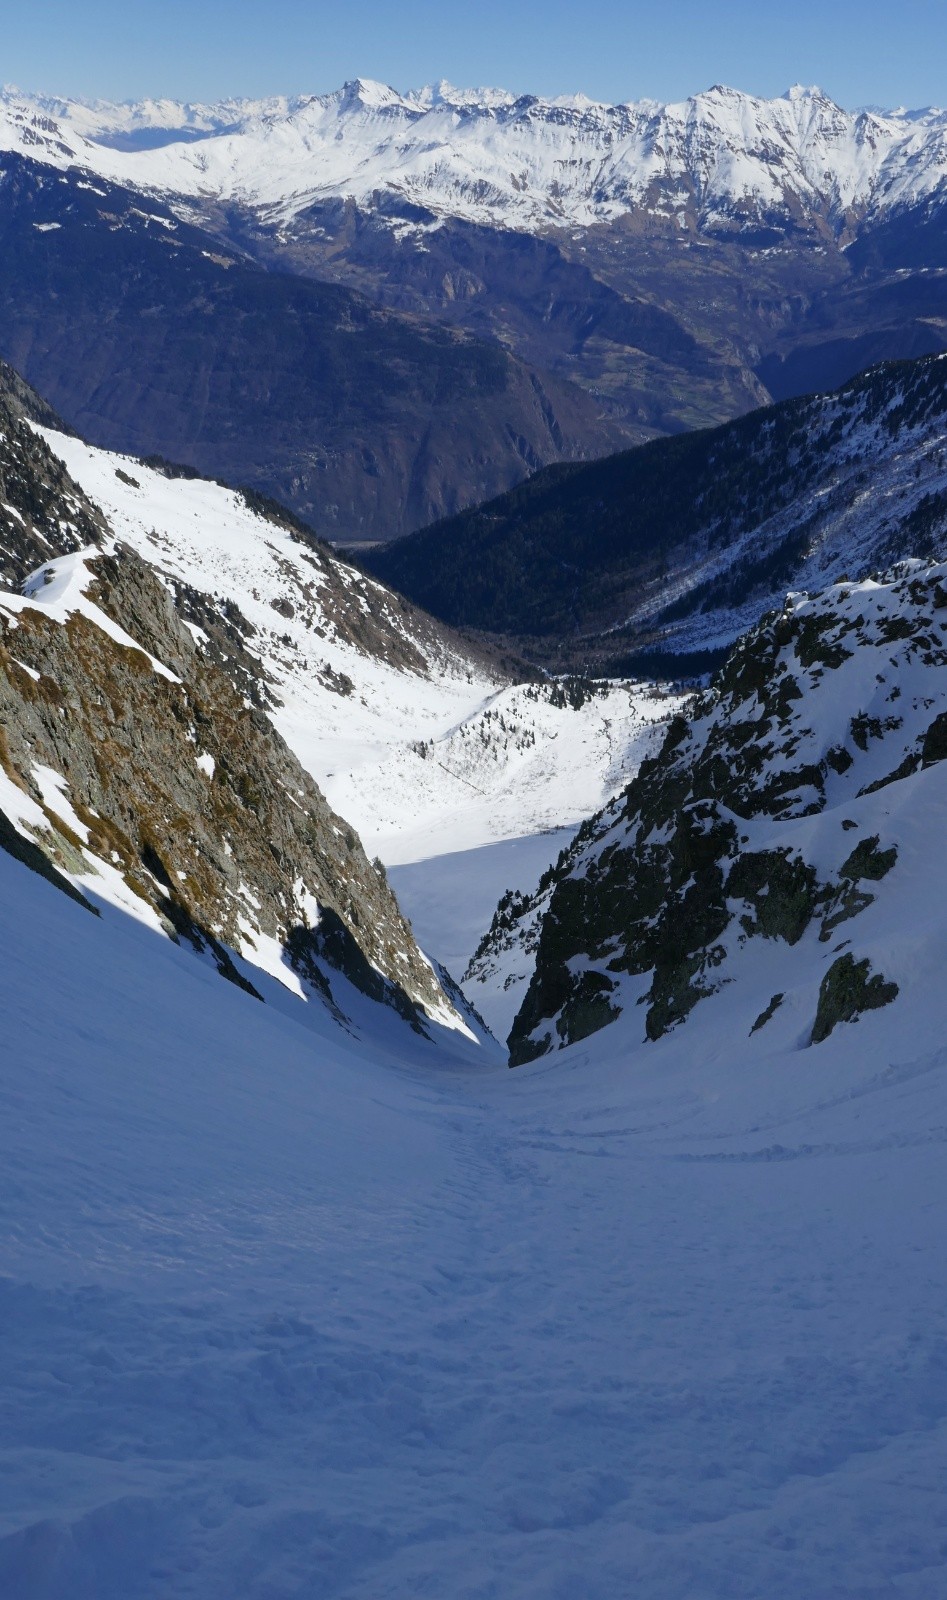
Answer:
(822, 704)
(559, 312)
(241, 844)
(42, 512)
(847, 992)
(148, 335)
(686, 540)
(178, 779)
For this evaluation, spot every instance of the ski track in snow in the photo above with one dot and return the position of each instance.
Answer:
(283, 1317)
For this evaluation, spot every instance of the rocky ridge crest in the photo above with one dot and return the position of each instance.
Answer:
(659, 900)
(139, 772)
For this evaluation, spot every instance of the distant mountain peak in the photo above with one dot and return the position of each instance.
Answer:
(722, 157)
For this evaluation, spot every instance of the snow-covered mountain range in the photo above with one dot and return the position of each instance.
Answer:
(490, 283)
(722, 159)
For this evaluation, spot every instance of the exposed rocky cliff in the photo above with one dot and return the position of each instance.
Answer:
(794, 794)
(137, 771)
(43, 512)
(167, 777)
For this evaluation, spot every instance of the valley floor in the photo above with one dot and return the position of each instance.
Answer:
(289, 1315)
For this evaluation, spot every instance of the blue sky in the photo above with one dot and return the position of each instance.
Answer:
(860, 51)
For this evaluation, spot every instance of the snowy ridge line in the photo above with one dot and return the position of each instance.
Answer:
(59, 589)
(722, 158)
(859, 515)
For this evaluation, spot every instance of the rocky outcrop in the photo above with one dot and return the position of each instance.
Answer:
(817, 712)
(42, 512)
(171, 779)
(846, 992)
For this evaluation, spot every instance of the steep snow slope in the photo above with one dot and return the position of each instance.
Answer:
(720, 159)
(136, 772)
(283, 1315)
(346, 668)
(451, 899)
(421, 747)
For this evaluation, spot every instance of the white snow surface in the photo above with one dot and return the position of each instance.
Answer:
(292, 1312)
(288, 1315)
(497, 762)
(450, 900)
(490, 157)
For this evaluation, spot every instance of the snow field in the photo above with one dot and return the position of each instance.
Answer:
(291, 1315)
(286, 1317)
(450, 901)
